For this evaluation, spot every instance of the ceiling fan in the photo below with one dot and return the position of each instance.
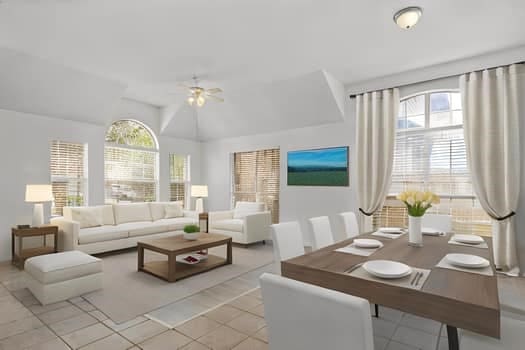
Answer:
(197, 95)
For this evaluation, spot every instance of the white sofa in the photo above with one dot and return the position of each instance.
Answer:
(104, 228)
(248, 223)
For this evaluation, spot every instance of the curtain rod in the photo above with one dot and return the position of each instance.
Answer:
(448, 76)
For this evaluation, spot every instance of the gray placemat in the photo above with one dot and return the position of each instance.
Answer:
(352, 249)
(483, 245)
(404, 282)
(388, 235)
(444, 264)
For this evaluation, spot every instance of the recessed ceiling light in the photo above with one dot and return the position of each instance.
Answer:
(408, 17)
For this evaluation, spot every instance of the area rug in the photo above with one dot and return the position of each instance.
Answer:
(128, 293)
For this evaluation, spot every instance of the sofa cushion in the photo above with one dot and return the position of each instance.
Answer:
(235, 225)
(173, 210)
(158, 210)
(131, 212)
(58, 267)
(143, 228)
(246, 208)
(177, 224)
(87, 216)
(107, 214)
(101, 233)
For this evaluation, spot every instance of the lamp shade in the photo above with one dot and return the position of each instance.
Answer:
(199, 191)
(39, 193)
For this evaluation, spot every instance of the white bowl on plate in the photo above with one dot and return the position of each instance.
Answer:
(429, 231)
(468, 239)
(387, 269)
(467, 260)
(367, 243)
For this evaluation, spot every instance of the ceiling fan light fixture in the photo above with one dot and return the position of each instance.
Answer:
(201, 101)
(191, 100)
(408, 17)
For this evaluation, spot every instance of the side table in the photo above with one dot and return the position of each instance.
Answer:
(20, 255)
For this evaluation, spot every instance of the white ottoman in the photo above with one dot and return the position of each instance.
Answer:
(61, 276)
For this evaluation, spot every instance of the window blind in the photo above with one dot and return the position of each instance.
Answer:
(256, 178)
(130, 174)
(430, 154)
(68, 174)
(179, 177)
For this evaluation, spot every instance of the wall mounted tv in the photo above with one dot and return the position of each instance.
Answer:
(318, 167)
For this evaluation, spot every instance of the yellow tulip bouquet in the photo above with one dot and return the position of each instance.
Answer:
(418, 202)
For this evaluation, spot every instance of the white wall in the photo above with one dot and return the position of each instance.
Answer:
(296, 202)
(24, 150)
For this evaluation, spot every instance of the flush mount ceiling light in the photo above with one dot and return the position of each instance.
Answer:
(408, 17)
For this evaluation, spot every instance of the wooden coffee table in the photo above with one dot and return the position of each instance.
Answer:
(171, 270)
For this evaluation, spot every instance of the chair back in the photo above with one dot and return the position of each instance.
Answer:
(437, 221)
(302, 316)
(350, 224)
(287, 240)
(321, 232)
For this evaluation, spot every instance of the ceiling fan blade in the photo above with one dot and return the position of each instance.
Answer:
(216, 98)
(214, 90)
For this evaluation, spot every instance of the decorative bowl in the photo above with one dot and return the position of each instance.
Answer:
(191, 236)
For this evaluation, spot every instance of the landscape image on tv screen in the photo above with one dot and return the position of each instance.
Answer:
(318, 167)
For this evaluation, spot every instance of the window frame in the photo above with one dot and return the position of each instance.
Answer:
(390, 200)
(154, 150)
(187, 178)
(84, 180)
(276, 211)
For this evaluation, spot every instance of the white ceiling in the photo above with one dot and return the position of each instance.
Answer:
(152, 45)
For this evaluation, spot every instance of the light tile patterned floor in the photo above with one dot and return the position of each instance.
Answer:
(237, 324)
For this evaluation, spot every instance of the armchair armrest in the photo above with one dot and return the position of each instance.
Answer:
(191, 214)
(67, 233)
(219, 215)
(257, 226)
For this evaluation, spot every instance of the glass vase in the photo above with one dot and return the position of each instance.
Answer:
(415, 237)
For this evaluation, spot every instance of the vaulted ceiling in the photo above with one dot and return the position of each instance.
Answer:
(281, 63)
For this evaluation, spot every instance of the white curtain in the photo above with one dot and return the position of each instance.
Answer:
(376, 115)
(491, 126)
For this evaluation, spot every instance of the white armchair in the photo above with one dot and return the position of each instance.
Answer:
(248, 223)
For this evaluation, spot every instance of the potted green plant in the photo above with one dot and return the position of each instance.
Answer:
(192, 232)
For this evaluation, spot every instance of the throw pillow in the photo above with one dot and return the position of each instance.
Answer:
(173, 210)
(88, 216)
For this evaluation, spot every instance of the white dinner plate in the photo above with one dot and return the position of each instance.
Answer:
(468, 239)
(367, 243)
(467, 260)
(387, 269)
(429, 231)
(394, 230)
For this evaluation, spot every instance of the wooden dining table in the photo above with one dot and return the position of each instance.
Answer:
(455, 298)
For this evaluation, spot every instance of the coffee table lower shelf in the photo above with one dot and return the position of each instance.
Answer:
(161, 268)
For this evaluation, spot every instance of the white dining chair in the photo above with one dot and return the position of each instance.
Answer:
(437, 221)
(301, 316)
(512, 337)
(321, 232)
(287, 240)
(350, 225)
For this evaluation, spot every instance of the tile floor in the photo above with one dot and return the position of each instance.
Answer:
(237, 324)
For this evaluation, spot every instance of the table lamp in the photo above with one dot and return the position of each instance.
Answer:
(199, 191)
(38, 194)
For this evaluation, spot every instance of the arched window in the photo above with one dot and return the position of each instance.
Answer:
(430, 154)
(130, 163)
